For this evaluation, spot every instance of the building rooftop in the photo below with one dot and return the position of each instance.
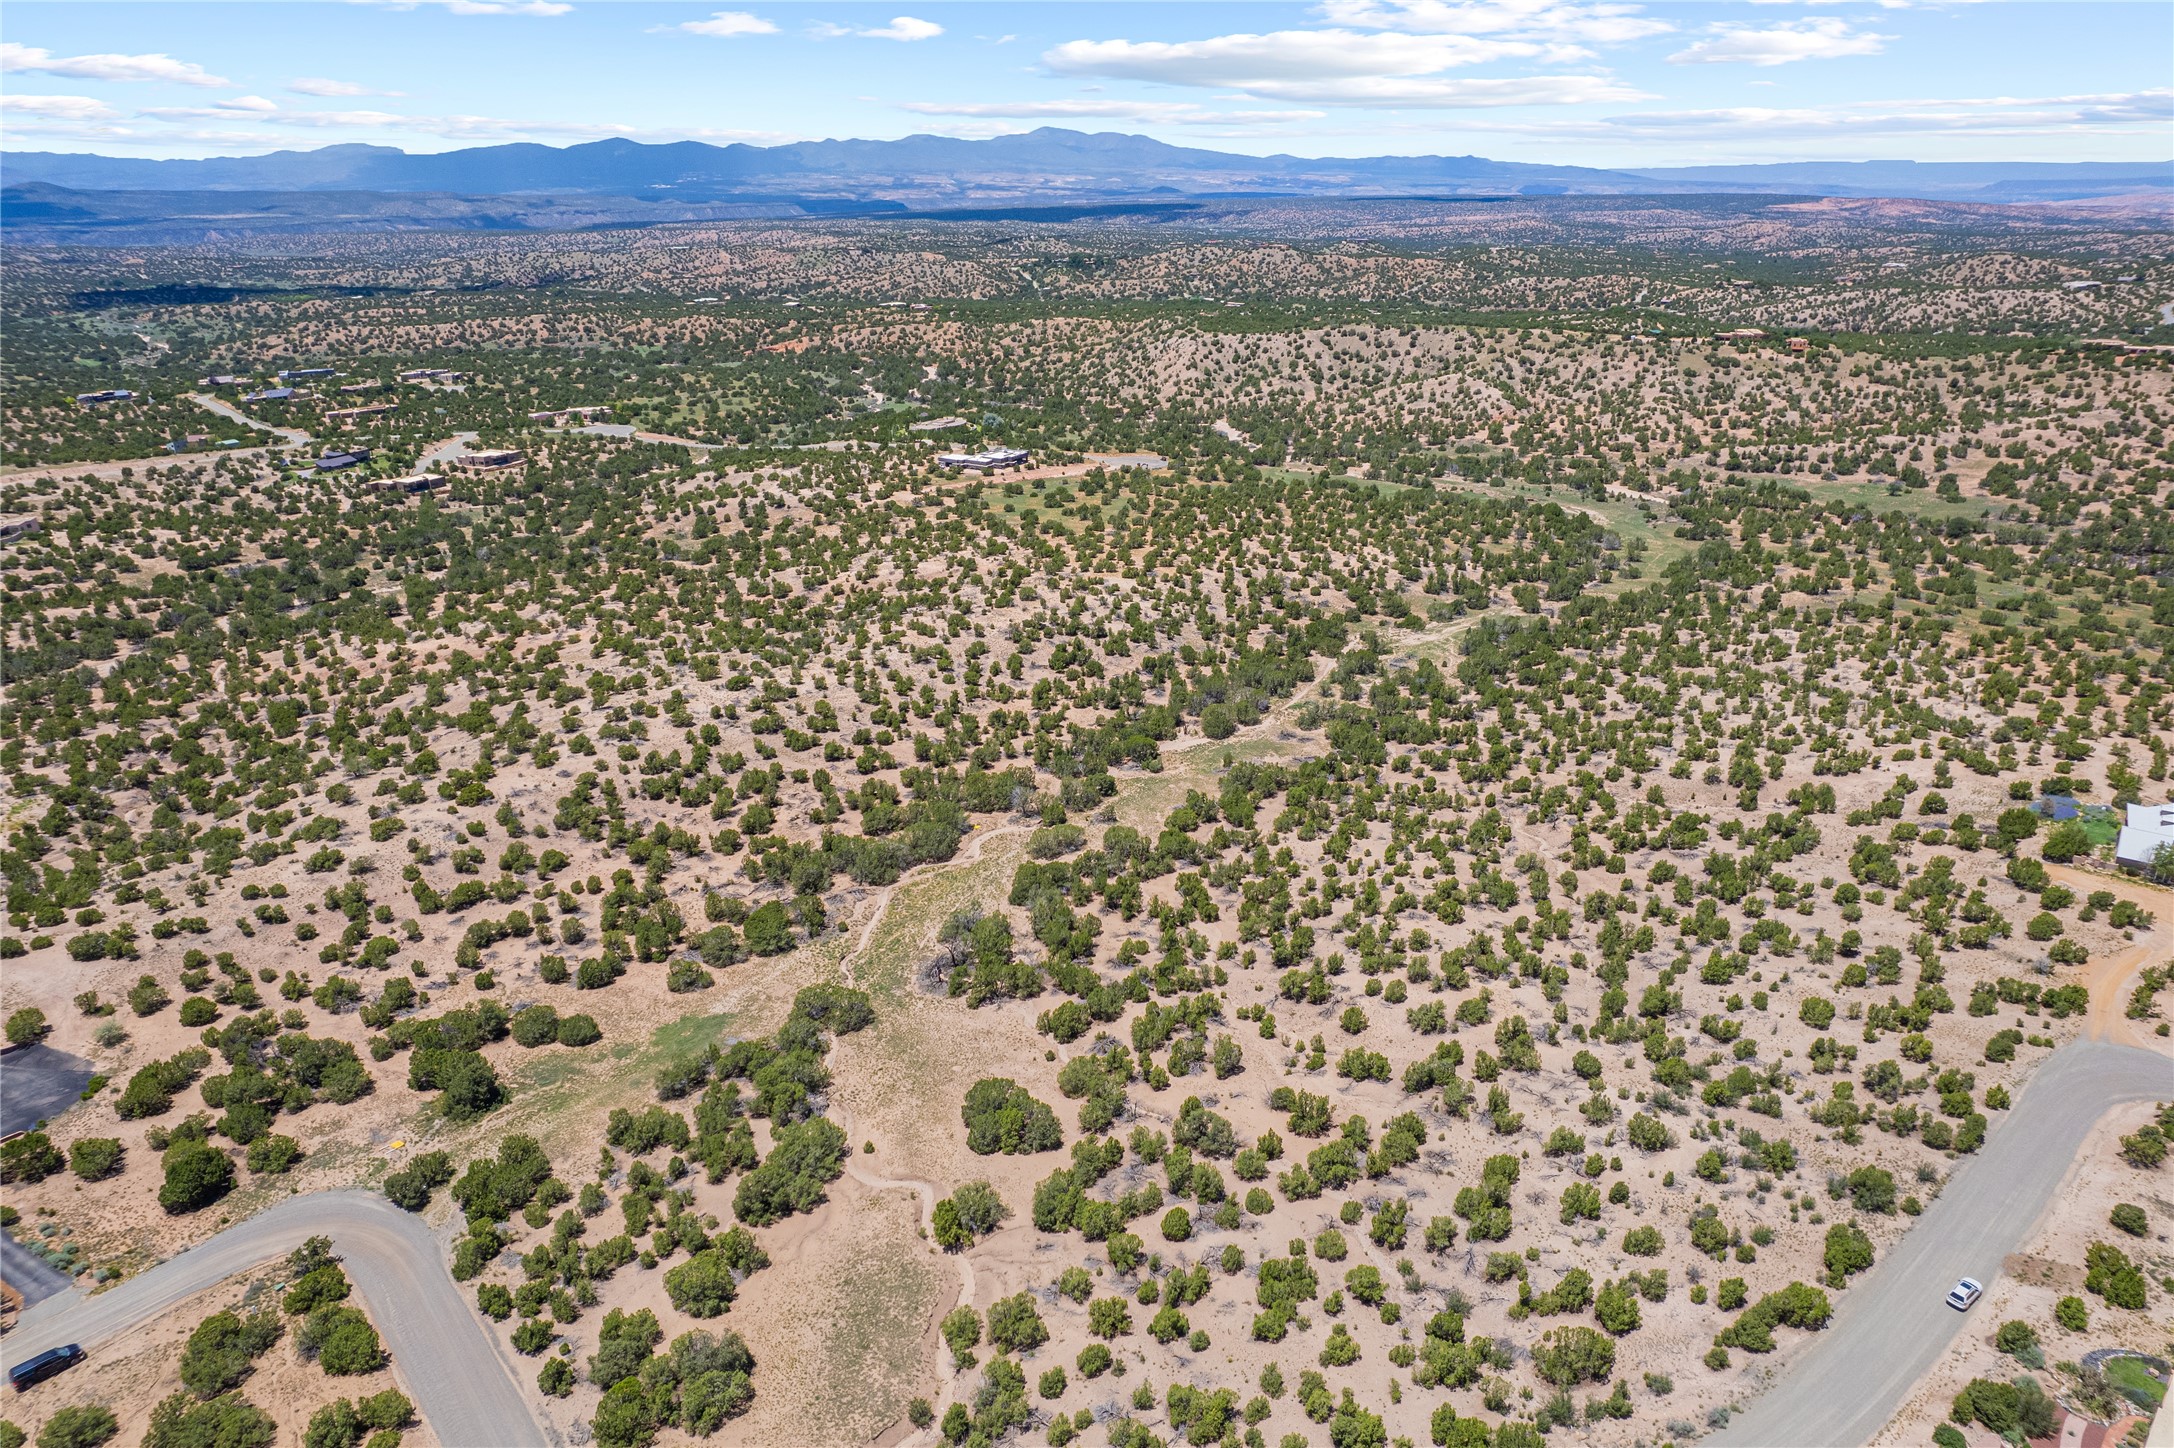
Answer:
(2148, 829)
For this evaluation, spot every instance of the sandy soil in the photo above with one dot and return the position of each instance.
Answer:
(132, 1373)
(2049, 1268)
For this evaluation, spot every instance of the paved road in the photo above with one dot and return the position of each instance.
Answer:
(463, 1384)
(1892, 1326)
(38, 1083)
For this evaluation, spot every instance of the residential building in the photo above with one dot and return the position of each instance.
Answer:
(13, 528)
(111, 394)
(991, 460)
(504, 457)
(412, 483)
(219, 379)
(271, 394)
(291, 373)
(585, 414)
(347, 458)
(349, 414)
(2148, 830)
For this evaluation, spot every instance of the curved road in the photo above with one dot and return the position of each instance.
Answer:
(1891, 1328)
(463, 1385)
(293, 436)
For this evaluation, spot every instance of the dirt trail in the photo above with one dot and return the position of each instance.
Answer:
(882, 906)
(2110, 977)
(925, 1190)
(1188, 757)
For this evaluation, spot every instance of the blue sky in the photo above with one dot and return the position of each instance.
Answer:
(1593, 82)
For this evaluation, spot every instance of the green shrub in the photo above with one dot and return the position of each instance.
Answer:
(196, 1175)
(223, 1349)
(83, 1426)
(1001, 1116)
(31, 1157)
(342, 1341)
(230, 1421)
(702, 1286)
(95, 1157)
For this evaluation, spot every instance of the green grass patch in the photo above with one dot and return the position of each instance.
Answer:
(690, 1034)
(2135, 1382)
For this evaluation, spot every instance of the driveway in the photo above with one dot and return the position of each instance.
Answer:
(293, 436)
(463, 1383)
(29, 1274)
(38, 1083)
(1890, 1328)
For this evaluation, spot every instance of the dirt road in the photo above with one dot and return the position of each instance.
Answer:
(462, 1383)
(205, 400)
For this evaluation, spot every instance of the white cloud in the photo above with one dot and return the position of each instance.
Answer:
(902, 27)
(1427, 93)
(1832, 130)
(15, 57)
(334, 89)
(905, 27)
(1577, 25)
(727, 23)
(1179, 113)
(58, 108)
(269, 118)
(1827, 37)
(478, 7)
(1339, 67)
(256, 108)
(1251, 62)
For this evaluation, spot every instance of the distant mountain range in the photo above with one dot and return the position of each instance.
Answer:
(1048, 174)
(931, 171)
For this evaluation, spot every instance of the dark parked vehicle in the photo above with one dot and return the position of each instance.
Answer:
(43, 1366)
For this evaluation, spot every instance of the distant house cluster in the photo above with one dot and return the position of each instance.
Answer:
(991, 460)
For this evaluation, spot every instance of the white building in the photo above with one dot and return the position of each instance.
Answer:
(2148, 829)
(995, 459)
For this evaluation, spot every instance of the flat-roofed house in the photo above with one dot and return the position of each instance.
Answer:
(2148, 829)
(990, 460)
